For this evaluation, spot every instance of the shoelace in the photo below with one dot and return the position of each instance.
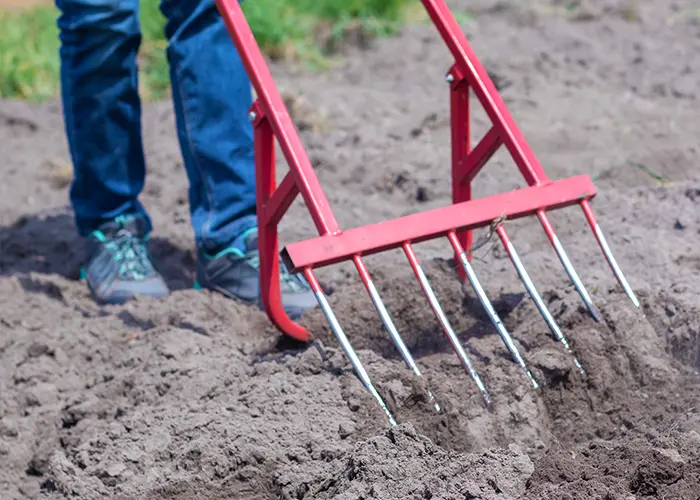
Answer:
(131, 255)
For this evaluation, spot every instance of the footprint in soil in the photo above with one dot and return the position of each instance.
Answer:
(50, 244)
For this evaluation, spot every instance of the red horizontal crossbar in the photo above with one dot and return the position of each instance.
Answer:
(382, 236)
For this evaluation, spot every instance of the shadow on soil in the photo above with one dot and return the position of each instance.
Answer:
(51, 245)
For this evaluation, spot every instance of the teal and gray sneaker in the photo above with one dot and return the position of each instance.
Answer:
(234, 273)
(119, 267)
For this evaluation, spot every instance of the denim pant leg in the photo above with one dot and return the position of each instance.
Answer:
(102, 111)
(212, 95)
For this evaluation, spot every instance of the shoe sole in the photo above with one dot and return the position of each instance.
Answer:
(115, 302)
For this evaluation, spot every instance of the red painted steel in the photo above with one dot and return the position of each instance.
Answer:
(548, 229)
(313, 281)
(271, 104)
(268, 239)
(461, 147)
(386, 235)
(593, 222)
(469, 65)
(272, 121)
(362, 270)
(475, 161)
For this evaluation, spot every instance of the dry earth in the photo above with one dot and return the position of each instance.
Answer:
(198, 397)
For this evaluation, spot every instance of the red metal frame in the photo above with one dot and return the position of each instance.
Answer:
(272, 121)
(366, 240)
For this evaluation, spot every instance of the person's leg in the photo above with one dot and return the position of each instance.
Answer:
(99, 44)
(212, 95)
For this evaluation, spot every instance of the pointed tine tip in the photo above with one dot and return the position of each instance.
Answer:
(432, 399)
(436, 405)
(488, 402)
(342, 338)
(607, 252)
(634, 299)
(534, 294)
(488, 306)
(568, 266)
(576, 280)
(442, 318)
(533, 381)
(530, 286)
(386, 319)
(614, 265)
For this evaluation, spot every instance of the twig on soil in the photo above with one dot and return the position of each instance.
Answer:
(554, 439)
(672, 428)
(653, 173)
(130, 337)
(484, 240)
(677, 423)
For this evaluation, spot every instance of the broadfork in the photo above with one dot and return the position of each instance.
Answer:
(455, 222)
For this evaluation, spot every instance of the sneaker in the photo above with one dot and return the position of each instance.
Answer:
(235, 274)
(119, 267)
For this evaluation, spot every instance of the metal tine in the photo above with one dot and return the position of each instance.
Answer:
(486, 303)
(389, 324)
(529, 285)
(588, 212)
(444, 322)
(567, 264)
(345, 343)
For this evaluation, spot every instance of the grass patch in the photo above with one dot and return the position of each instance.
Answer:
(29, 65)
(304, 30)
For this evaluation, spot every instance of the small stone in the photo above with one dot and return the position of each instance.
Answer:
(116, 470)
(8, 428)
(115, 430)
(36, 350)
(310, 362)
(60, 356)
(133, 455)
(33, 326)
(346, 429)
(40, 395)
(353, 404)
(670, 310)
(671, 454)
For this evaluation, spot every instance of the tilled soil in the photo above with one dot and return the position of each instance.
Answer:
(199, 397)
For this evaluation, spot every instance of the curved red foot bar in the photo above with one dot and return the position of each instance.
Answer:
(272, 121)
(271, 203)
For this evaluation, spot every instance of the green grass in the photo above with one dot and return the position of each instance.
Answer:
(29, 44)
(28, 54)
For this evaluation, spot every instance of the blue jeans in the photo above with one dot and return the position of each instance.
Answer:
(102, 109)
